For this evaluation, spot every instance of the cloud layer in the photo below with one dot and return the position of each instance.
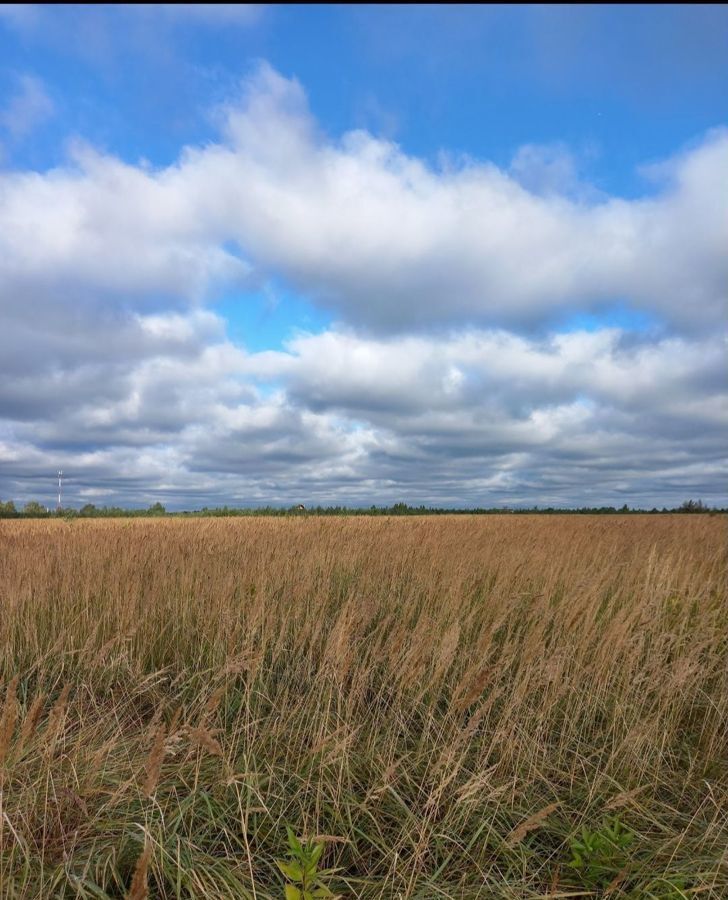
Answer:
(448, 376)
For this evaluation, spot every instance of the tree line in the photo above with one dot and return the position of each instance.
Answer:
(35, 510)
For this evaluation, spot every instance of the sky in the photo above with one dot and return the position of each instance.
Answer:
(441, 255)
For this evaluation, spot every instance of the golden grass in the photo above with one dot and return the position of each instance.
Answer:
(451, 698)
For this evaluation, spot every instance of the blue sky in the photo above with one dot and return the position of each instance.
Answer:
(363, 254)
(621, 85)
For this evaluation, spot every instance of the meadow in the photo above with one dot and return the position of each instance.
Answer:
(454, 707)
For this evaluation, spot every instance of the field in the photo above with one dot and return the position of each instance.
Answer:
(494, 707)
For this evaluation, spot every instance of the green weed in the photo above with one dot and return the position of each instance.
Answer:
(302, 870)
(599, 857)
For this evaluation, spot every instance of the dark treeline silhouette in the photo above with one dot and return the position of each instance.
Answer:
(35, 510)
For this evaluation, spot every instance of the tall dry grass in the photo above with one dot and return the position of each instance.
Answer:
(447, 699)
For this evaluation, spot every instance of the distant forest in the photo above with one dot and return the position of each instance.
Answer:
(35, 510)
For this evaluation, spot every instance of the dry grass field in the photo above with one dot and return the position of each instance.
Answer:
(461, 706)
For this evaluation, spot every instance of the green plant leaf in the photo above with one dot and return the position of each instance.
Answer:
(291, 870)
(292, 892)
(293, 842)
(316, 854)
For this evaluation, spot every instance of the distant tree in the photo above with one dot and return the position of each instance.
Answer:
(8, 510)
(88, 509)
(156, 509)
(33, 508)
(693, 506)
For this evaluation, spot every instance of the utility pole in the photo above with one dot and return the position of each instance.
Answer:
(60, 489)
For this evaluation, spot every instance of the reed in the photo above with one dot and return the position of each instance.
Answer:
(452, 701)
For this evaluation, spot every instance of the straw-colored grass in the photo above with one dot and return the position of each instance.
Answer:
(449, 700)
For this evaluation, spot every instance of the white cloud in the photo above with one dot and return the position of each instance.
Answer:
(434, 386)
(28, 108)
(104, 226)
(551, 170)
(377, 236)
(408, 375)
(477, 417)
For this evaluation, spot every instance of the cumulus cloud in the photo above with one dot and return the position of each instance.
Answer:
(553, 170)
(104, 228)
(412, 374)
(392, 243)
(444, 379)
(473, 417)
(379, 237)
(27, 108)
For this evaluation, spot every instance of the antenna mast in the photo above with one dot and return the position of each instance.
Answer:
(60, 489)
